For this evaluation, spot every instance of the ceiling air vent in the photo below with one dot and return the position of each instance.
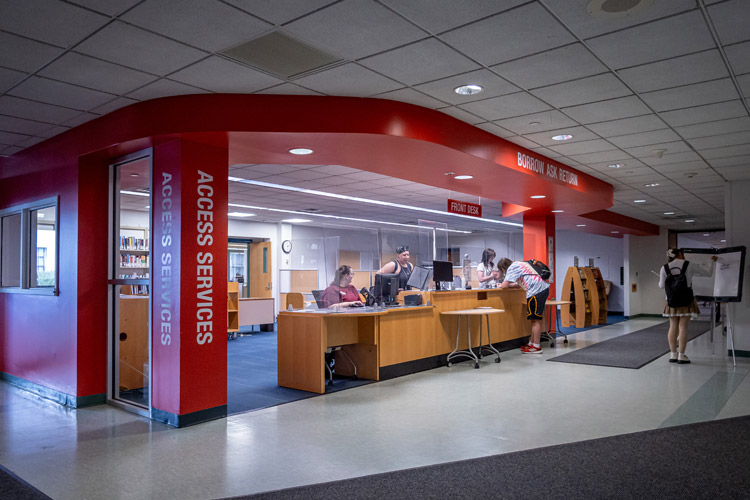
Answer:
(280, 55)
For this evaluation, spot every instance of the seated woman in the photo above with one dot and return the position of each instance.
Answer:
(341, 292)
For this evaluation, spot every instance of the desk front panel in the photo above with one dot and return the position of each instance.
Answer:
(406, 334)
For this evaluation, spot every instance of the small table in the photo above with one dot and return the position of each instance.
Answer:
(469, 353)
(554, 330)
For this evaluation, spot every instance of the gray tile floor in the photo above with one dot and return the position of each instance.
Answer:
(431, 417)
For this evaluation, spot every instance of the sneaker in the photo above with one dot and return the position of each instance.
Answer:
(673, 357)
(530, 349)
(683, 360)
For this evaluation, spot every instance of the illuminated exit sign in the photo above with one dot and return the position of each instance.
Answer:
(464, 208)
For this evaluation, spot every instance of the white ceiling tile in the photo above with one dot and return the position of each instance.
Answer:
(24, 54)
(739, 57)
(585, 90)
(162, 88)
(735, 173)
(440, 15)
(534, 123)
(554, 66)
(693, 95)
(649, 159)
(731, 20)
(546, 138)
(348, 80)
(506, 106)
(577, 18)
(720, 141)
(54, 22)
(512, 34)
(220, 75)
(644, 138)
(113, 105)
(420, 62)
(95, 74)
(462, 115)
(9, 78)
(495, 129)
(109, 7)
(59, 93)
(279, 11)
(354, 29)
(139, 49)
(731, 161)
(443, 89)
(606, 157)
(715, 128)
(726, 152)
(23, 126)
(692, 68)
(336, 169)
(744, 83)
(612, 109)
(523, 142)
(579, 148)
(627, 126)
(705, 113)
(657, 40)
(11, 138)
(207, 24)
(80, 119)
(412, 97)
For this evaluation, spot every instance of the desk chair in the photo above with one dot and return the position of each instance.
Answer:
(329, 355)
(296, 300)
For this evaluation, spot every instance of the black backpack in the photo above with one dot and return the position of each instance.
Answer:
(679, 294)
(541, 268)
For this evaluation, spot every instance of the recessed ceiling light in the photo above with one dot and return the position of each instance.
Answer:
(470, 89)
(614, 165)
(538, 196)
(557, 211)
(580, 225)
(133, 175)
(240, 214)
(639, 201)
(450, 173)
(562, 137)
(706, 234)
(723, 241)
(615, 232)
(295, 221)
(301, 151)
(689, 220)
(668, 213)
(463, 177)
(653, 184)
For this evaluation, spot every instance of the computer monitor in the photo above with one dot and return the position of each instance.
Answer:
(386, 288)
(420, 278)
(441, 271)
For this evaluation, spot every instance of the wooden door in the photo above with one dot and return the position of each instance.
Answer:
(261, 284)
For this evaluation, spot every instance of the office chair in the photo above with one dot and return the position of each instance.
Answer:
(296, 300)
(329, 354)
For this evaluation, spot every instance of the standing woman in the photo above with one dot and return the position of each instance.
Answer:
(400, 266)
(679, 317)
(486, 270)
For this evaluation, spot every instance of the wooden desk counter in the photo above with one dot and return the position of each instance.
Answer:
(377, 338)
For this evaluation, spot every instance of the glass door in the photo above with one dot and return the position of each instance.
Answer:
(130, 283)
(238, 264)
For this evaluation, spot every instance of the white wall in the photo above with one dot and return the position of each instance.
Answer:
(737, 206)
(644, 254)
(607, 254)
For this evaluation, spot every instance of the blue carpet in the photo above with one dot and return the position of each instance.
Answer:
(252, 381)
(611, 320)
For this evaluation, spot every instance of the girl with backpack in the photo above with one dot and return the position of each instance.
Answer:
(676, 277)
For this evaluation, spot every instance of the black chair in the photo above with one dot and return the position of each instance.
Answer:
(329, 354)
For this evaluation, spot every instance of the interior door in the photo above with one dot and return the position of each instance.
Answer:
(261, 284)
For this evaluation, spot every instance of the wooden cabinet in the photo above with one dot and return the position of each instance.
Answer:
(233, 309)
(584, 288)
(133, 348)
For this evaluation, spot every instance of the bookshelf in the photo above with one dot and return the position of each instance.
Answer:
(584, 288)
(134, 253)
(233, 309)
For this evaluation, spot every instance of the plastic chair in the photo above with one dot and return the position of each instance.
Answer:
(296, 300)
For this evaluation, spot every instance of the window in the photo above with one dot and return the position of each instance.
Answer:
(28, 248)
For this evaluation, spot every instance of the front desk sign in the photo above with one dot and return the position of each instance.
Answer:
(464, 208)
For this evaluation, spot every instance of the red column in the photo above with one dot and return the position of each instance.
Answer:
(189, 296)
(539, 242)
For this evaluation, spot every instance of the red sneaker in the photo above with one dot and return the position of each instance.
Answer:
(530, 349)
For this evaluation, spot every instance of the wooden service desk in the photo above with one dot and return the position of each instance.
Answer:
(389, 342)
(304, 336)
